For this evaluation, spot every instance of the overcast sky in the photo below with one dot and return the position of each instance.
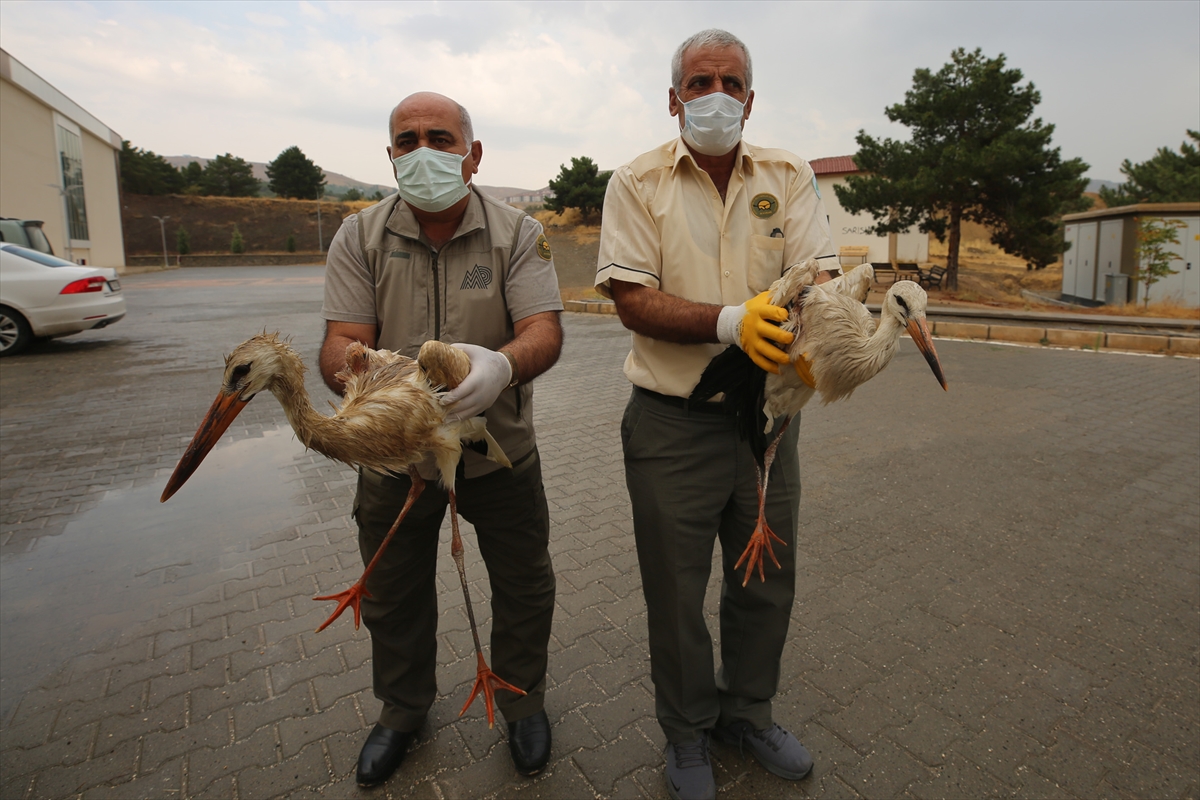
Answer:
(547, 81)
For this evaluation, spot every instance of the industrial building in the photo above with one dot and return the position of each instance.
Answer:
(59, 164)
(1100, 263)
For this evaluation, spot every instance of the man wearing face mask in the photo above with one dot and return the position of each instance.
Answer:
(440, 260)
(693, 234)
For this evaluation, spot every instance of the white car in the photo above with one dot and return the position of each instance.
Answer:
(42, 296)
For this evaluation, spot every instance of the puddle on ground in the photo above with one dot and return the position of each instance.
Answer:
(125, 559)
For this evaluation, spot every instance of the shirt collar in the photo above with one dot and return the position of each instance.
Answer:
(745, 155)
(402, 222)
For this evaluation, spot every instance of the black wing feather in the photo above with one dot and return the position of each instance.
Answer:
(744, 385)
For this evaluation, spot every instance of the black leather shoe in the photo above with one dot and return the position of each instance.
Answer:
(529, 743)
(381, 754)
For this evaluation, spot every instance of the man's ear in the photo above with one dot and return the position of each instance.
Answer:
(673, 104)
(476, 155)
(749, 105)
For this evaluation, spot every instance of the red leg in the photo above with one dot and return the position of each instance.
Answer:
(762, 536)
(351, 597)
(485, 679)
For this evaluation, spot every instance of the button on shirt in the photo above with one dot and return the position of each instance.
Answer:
(665, 227)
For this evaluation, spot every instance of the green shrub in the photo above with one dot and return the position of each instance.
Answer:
(291, 244)
(237, 244)
(183, 242)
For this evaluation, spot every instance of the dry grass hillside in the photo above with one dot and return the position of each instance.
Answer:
(265, 223)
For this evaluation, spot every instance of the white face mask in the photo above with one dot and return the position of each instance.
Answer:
(712, 124)
(430, 179)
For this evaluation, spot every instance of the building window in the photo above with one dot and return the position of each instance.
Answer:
(70, 151)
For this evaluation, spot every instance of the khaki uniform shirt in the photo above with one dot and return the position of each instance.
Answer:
(497, 269)
(665, 227)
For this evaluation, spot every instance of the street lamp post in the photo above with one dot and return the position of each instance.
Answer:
(66, 220)
(162, 224)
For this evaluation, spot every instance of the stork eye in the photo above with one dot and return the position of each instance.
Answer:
(239, 372)
(903, 304)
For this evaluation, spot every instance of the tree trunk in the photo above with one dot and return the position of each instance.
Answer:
(952, 247)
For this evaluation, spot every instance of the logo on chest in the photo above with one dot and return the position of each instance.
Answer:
(477, 277)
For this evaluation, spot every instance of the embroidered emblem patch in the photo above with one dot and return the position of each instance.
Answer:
(816, 188)
(764, 205)
(543, 247)
(477, 277)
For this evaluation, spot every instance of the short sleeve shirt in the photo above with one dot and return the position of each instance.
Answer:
(665, 227)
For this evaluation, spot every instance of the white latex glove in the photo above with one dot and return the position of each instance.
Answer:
(490, 374)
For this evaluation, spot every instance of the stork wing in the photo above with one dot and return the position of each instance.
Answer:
(794, 279)
(856, 283)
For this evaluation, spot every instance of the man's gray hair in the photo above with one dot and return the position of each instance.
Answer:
(713, 37)
(464, 121)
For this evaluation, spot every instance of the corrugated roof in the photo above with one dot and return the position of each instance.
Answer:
(833, 164)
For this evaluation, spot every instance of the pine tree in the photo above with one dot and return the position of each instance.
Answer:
(229, 176)
(1168, 177)
(581, 186)
(974, 155)
(183, 242)
(236, 243)
(146, 172)
(293, 174)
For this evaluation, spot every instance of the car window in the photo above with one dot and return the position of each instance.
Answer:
(36, 257)
(37, 239)
(11, 230)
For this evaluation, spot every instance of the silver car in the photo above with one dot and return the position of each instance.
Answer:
(42, 296)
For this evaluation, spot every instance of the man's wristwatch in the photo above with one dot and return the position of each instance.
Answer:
(512, 362)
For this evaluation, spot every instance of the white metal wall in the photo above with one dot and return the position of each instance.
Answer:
(1108, 259)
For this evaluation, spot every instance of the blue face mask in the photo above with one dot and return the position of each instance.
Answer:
(712, 124)
(429, 179)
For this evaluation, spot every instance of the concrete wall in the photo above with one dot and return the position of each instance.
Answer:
(29, 165)
(848, 229)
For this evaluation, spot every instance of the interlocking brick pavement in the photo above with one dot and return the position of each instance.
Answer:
(998, 587)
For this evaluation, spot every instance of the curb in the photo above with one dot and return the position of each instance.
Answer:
(1012, 334)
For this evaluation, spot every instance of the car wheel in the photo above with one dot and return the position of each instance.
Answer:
(15, 333)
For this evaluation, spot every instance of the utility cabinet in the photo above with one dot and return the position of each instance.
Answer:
(1102, 245)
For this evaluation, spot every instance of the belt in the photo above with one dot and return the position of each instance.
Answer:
(689, 406)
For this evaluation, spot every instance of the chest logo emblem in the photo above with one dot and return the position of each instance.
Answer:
(477, 277)
(543, 247)
(764, 205)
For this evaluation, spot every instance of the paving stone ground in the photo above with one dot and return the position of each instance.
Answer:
(998, 586)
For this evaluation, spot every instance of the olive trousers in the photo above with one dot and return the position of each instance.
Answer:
(512, 526)
(691, 481)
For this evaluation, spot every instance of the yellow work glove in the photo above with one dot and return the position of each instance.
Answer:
(751, 326)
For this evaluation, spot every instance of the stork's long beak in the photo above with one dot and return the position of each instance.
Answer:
(222, 412)
(918, 329)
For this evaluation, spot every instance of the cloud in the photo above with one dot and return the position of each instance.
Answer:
(548, 81)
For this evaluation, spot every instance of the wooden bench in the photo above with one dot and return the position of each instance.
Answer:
(908, 272)
(853, 254)
(933, 277)
(883, 269)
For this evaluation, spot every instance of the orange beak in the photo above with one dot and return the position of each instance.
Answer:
(222, 412)
(918, 329)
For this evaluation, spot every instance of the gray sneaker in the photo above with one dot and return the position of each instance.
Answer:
(775, 748)
(689, 772)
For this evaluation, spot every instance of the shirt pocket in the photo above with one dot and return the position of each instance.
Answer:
(766, 261)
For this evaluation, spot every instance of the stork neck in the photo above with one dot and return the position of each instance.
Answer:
(288, 388)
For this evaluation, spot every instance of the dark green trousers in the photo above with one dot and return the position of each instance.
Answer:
(692, 481)
(512, 526)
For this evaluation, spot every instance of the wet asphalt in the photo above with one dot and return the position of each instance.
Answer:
(998, 586)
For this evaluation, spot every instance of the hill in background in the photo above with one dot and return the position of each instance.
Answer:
(337, 183)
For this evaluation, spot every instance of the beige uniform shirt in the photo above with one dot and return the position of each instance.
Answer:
(665, 227)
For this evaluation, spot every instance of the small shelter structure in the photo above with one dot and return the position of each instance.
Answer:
(1100, 264)
(849, 230)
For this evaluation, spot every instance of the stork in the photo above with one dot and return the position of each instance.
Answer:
(390, 420)
(837, 348)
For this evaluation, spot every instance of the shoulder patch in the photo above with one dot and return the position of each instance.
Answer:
(816, 188)
(764, 205)
(543, 247)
